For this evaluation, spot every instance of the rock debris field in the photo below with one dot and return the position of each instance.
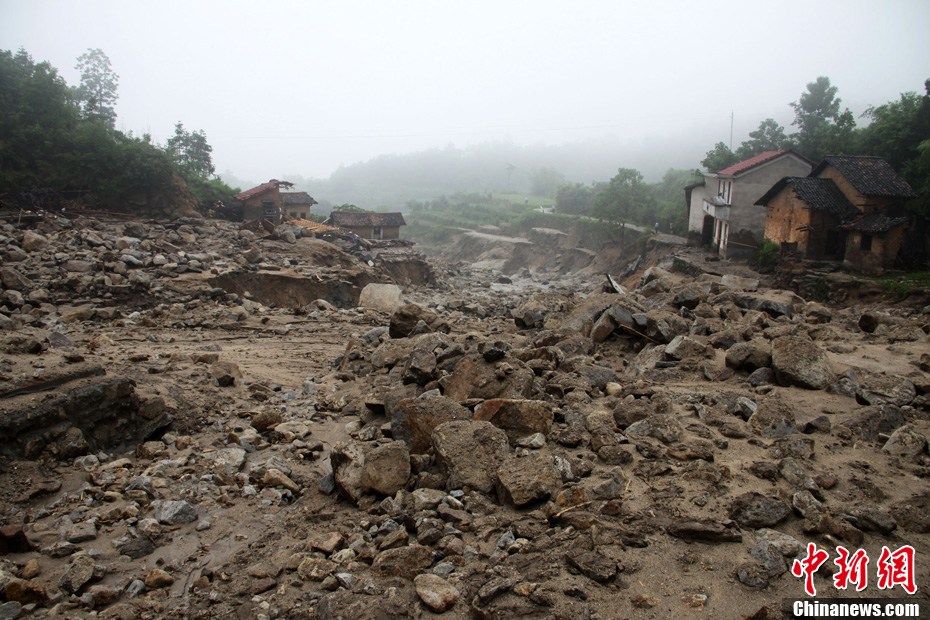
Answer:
(202, 420)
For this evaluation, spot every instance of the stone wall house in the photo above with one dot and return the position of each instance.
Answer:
(369, 225)
(263, 201)
(721, 211)
(297, 204)
(849, 208)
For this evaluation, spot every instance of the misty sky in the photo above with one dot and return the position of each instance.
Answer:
(302, 87)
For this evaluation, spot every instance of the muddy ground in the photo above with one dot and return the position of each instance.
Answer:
(200, 421)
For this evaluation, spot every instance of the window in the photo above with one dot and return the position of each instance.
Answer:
(725, 189)
(865, 243)
(376, 232)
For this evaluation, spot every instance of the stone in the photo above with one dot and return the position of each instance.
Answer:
(386, 468)
(81, 532)
(383, 297)
(470, 453)
(347, 461)
(528, 479)
(704, 530)
(739, 283)
(435, 592)
(174, 512)
(226, 374)
(13, 539)
(265, 420)
(315, 569)
(158, 578)
(773, 418)
(406, 318)
(472, 377)
(80, 571)
(33, 241)
(906, 441)
(592, 565)
(134, 548)
(876, 389)
(276, 478)
(226, 462)
(517, 418)
(404, 562)
(755, 510)
(686, 347)
(749, 356)
(664, 426)
(413, 420)
(800, 362)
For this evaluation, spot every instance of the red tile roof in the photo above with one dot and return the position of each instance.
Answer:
(752, 162)
(259, 189)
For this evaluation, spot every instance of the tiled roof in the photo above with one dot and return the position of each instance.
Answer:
(875, 223)
(360, 219)
(871, 176)
(297, 198)
(823, 195)
(758, 160)
(258, 189)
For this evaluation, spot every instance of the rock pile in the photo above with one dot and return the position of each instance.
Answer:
(462, 452)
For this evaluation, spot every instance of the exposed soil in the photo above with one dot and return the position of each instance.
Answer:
(253, 375)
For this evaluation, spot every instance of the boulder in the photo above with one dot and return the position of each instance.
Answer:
(473, 377)
(347, 461)
(517, 418)
(756, 510)
(386, 468)
(406, 318)
(749, 356)
(800, 362)
(528, 479)
(383, 297)
(773, 418)
(470, 452)
(413, 419)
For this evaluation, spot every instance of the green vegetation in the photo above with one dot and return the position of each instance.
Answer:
(905, 284)
(898, 131)
(766, 255)
(60, 141)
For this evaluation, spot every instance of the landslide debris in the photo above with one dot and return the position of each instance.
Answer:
(201, 421)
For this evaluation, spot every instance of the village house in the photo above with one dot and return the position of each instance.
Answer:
(721, 211)
(369, 225)
(263, 201)
(849, 208)
(297, 204)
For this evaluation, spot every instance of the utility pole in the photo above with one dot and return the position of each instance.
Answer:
(731, 130)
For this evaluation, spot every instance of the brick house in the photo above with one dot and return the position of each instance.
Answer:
(721, 211)
(263, 201)
(849, 208)
(369, 225)
(297, 204)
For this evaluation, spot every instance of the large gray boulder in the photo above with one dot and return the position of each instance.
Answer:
(470, 452)
(473, 377)
(800, 362)
(528, 479)
(413, 419)
(517, 418)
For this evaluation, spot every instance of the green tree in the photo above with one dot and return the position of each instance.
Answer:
(191, 152)
(770, 136)
(96, 93)
(719, 158)
(546, 181)
(575, 199)
(625, 198)
(36, 126)
(897, 128)
(823, 129)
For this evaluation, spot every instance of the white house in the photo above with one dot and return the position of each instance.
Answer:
(721, 209)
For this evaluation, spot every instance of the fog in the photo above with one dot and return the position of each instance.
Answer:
(306, 87)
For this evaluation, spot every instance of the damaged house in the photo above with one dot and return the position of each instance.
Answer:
(849, 208)
(297, 204)
(369, 225)
(721, 211)
(263, 201)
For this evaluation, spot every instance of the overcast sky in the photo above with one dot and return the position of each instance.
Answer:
(302, 87)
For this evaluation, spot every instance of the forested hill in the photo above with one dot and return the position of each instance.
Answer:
(394, 180)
